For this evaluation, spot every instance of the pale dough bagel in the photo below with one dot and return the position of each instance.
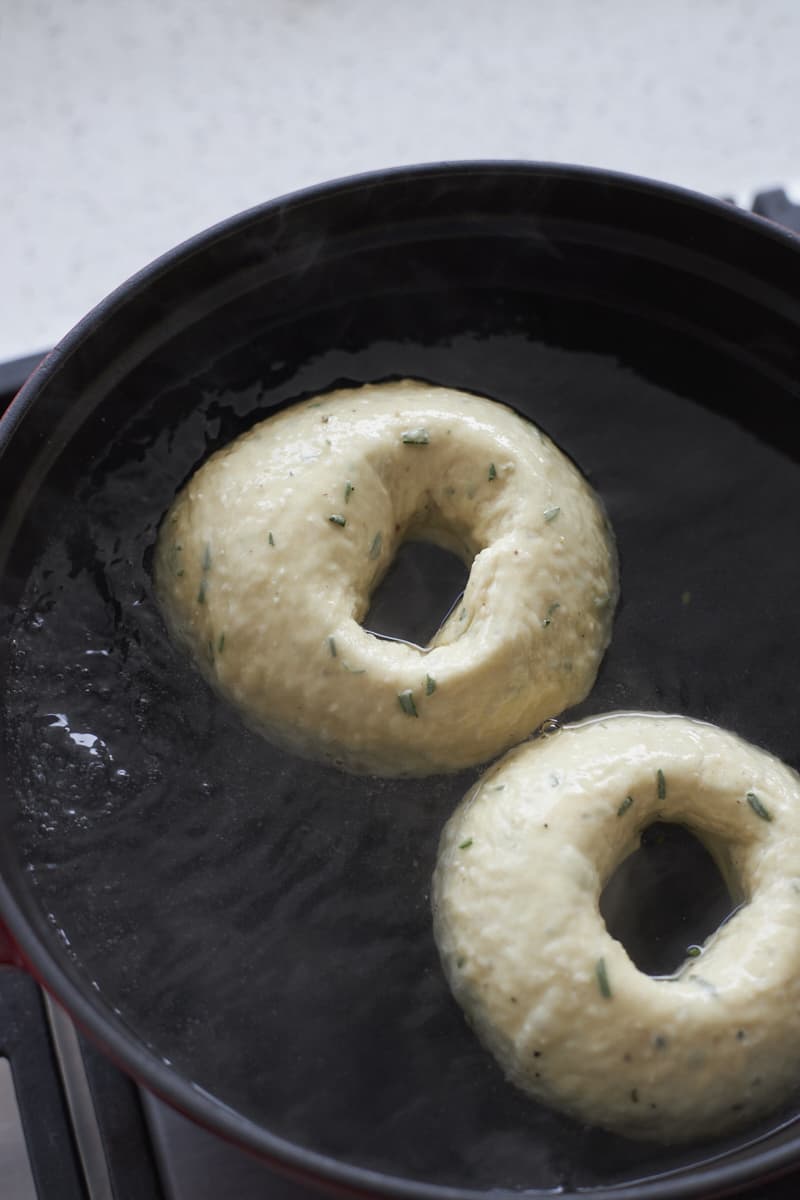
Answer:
(267, 560)
(521, 867)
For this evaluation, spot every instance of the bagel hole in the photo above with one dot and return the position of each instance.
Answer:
(416, 595)
(665, 898)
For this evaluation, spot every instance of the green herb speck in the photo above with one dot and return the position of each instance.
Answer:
(406, 701)
(492, 472)
(693, 952)
(550, 514)
(221, 643)
(460, 962)
(661, 784)
(602, 978)
(623, 808)
(271, 539)
(207, 557)
(375, 548)
(758, 807)
(430, 685)
(465, 845)
(179, 571)
(416, 437)
(332, 646)
(348, 491)
(337, 519)
(462, 614)
(549, 618)
(704, 983)
(201, 592)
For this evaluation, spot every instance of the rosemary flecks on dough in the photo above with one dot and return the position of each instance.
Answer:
(375, 548)
(623, 808)
(416, 437)
(549, 618)
(550, 514)
(201, 591)
(271, 538)
(221, 643)
(348, 491)
(332, 646)
(758, 807)
(465, 845)
(602, 978)
(430, 685)
(492, 472)
(705, 984)
(406, 701)
(661, 784)
(337, 519)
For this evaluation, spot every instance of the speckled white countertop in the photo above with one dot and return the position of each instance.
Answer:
(125, 128)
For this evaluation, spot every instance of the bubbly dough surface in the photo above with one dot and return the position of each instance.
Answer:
(266, 562)
(572, 1021)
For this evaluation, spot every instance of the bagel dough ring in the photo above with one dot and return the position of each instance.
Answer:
(521, 866)
(266, 562)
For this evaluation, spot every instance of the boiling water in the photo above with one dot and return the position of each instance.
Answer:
(263, 923)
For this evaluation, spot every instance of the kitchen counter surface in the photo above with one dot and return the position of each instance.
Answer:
(127, 128)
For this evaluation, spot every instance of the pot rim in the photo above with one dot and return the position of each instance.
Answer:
(714, 1176)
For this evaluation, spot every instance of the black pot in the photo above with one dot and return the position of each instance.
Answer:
(249, 935)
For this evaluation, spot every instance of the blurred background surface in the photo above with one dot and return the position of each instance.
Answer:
(125, 128)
